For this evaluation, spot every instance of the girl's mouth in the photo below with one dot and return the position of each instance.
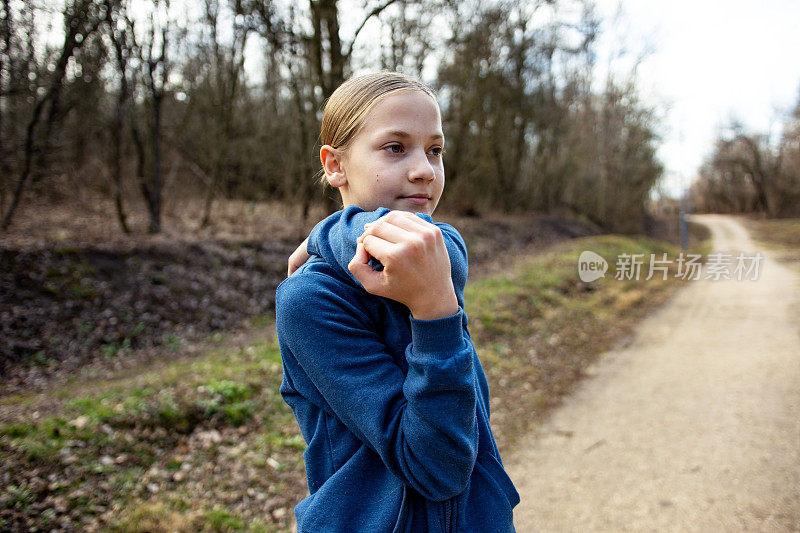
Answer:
(418, 199)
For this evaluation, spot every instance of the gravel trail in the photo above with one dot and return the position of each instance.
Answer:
(694, 426)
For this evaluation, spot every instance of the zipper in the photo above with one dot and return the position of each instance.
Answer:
(449, 522)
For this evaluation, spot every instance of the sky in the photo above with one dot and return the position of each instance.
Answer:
(707, 62)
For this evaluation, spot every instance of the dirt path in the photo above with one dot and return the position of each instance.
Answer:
(695, 426)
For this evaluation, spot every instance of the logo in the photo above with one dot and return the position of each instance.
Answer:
(591, 266)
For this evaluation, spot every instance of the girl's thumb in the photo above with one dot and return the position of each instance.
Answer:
(360, 268)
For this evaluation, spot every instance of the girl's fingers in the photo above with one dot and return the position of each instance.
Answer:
(377, 247)
(387, 231)
(415, 221)
(395, 227)
(403, 219)
(360, 258)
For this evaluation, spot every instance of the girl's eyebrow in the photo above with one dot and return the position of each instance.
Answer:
(405, 134)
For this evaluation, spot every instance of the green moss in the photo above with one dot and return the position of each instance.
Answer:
(276, 441)
(16, 430)
(221, 520)
(228, 390)
(84, 290)
(97, 409)
(239, 413)
(37, 447)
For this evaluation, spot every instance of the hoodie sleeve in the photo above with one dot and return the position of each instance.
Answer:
(422, 423)
(334, 239)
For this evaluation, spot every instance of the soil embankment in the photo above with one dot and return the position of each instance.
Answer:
(108, 303)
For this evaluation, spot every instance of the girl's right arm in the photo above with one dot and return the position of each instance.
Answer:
(298, 257)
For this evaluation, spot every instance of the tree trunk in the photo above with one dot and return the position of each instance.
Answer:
(141, 161)
(212, 187)
(74, 27)
(331, 17)
(26, 165)
(156, 183)
(118, 122)
(156, 82)
(116, 162)
(5, 32)
(227, 88)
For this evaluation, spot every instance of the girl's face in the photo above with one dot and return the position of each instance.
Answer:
(395, 160)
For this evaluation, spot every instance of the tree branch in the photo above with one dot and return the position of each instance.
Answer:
(375, 11)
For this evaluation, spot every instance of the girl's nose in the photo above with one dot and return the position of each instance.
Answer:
(421, 169)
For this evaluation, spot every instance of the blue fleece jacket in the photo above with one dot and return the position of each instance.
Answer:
(395, 411)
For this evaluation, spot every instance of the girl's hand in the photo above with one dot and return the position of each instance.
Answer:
(298, 257)
(416, 266)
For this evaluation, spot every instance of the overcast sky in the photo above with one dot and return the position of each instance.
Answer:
(710, 61)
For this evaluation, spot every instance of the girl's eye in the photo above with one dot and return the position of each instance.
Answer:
(394, 148)
(436, 151)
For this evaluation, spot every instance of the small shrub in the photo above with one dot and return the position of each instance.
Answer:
(239, 413)
(16, 498)
(229, 391)
(171, 341)
(221, 520)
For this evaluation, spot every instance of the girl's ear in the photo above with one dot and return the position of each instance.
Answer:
(331, 159)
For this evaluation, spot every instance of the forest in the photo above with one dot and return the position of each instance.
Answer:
(143, 102)
(752, 172)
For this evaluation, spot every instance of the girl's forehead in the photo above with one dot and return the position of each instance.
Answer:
(410, 107)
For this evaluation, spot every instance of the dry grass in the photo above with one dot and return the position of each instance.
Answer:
(538, 327)
(780, 235)
(91, 219)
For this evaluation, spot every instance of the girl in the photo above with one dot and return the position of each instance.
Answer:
(378, 365)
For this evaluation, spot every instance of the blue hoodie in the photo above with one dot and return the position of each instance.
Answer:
(395, 411)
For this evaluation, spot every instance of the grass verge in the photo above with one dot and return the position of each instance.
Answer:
(780, 235)
(199, 445)
(207, 444)
(539, 327)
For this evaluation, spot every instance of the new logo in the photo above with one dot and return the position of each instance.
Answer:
(591, 266)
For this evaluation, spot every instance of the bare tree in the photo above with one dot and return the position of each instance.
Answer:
(6, 69)
(152, 48)
(748, 172)
(328, 55)
(224, 81)
(120, 32)
(81, 19)
(526, 128)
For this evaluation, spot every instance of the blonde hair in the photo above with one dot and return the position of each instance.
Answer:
(347, 108)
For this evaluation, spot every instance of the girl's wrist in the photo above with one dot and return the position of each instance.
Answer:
(435, 307)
